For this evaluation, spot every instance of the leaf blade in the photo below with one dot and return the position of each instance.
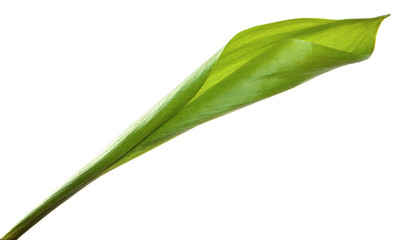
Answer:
(315, 34)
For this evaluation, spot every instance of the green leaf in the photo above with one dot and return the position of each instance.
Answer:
(257, 63)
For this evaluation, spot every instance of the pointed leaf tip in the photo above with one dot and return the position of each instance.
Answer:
(381, 17)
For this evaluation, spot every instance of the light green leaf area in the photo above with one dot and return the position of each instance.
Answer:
(257, 63)
(260, 62)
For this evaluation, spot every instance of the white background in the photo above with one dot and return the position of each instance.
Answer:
(321, 161)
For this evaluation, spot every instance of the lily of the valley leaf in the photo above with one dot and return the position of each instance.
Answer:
(257, 63)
